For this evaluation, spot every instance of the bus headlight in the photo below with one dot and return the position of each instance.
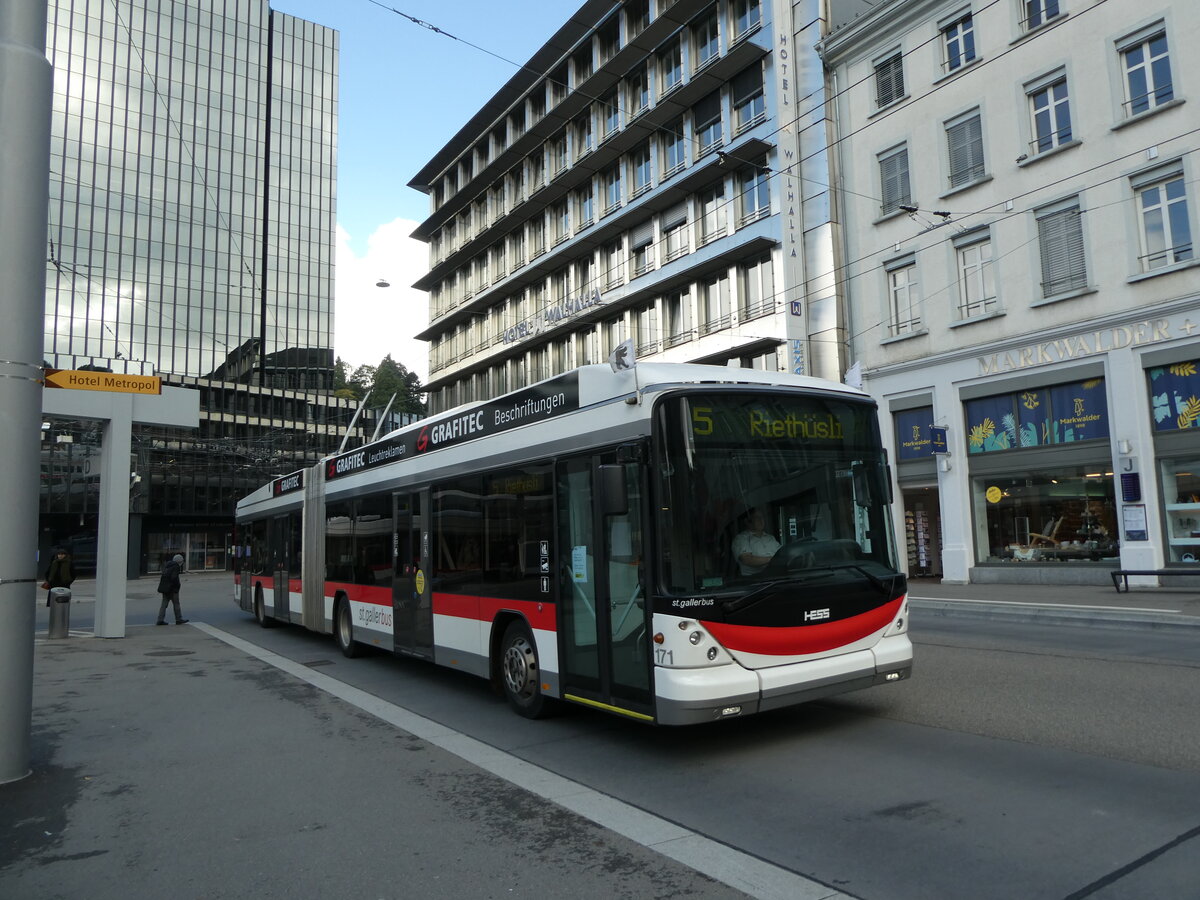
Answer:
(712, 653)
(696, 637)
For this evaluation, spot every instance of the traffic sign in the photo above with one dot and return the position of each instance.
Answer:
(81, 380)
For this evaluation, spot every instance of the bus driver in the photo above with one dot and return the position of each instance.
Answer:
(753, 547)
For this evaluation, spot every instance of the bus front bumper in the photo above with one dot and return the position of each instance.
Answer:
(691, 696)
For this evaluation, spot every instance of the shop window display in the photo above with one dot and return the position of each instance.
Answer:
(1175, 396)
(1068, 516)
(1181, 495)
(1060, 414)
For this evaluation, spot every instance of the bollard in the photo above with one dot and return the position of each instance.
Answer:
(60, 612)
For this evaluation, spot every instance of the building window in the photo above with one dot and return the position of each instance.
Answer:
(647, 330)
(583, 275)
(537, 237)
(584, 206)
(1164, 224)
(610, 117)
(904, 297)
(756, 287)
(959, 38)
(714, 304)
(608, 39)
(755, 194)
(639, 168)
(674, 148)
(675, 232)
(562, 222)
(749, 105)
(637, 16)
(712, 213)
(1147, 73)
(706, 116)
(675, 310)
(976, 283)
(1060, 242)
(1051, 111)
(612, 190)
(893, 180)
(637, 89)
(746, 15)
(889, 80)
(964, 139)
(641, 248)
(537, 171)
(670, 67)
(583, 136)
(614, 261)
(558, 155)
(1037, 13)
(705, 41)
(582, 63)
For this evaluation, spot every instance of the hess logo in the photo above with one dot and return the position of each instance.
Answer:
(816, 615)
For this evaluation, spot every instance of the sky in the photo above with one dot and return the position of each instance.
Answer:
(405, 90)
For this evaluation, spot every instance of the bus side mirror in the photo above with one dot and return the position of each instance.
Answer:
(613, 490)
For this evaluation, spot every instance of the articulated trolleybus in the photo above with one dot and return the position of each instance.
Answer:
(673, 543)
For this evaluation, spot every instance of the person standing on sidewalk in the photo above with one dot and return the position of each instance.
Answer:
(168, 586)
(60, 573)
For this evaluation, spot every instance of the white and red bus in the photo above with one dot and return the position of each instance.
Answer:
(589, 539)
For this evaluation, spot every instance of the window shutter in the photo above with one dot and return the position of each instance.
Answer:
(893, 177)
(707, 110)
(676, 215)
(746, 84)
(1060, 238)
(889, 80)
(642, 235)
(966, 151)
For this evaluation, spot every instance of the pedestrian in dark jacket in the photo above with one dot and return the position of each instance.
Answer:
(168, 586)
(60, 573)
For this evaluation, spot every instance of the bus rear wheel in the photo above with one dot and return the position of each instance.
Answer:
(521, 672)
(343, 628)
(260, 610)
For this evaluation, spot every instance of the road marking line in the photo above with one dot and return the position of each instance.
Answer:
(720, 862)
(1044, 605)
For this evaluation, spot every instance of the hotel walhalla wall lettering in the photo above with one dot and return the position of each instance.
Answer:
(1081, 345)
(552, 316)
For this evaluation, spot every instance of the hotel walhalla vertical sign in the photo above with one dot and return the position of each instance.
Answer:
(80, 380)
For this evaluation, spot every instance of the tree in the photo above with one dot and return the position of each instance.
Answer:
(341, 381)
(389, 377)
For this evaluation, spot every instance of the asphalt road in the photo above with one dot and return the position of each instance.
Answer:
(1020, 761)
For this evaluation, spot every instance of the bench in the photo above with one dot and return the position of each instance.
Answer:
(1119, 575)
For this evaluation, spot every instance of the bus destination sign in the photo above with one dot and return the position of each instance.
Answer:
(535, 404)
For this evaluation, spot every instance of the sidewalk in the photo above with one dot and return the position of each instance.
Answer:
(173, 764)
(1065, 604)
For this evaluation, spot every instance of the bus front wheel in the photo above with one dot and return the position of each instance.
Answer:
(521, 672)
(344, 629)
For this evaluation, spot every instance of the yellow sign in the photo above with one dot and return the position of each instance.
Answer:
(994, 494)
(103, 381)
(420, 582)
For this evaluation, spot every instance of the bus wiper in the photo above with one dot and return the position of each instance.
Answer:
(761, 591)
(886, 587)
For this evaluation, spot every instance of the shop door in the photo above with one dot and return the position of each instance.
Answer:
(412, 593)
(603, 628)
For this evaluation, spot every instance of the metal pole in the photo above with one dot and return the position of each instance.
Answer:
(25, 103)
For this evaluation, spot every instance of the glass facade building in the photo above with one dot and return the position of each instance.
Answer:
(191, 236)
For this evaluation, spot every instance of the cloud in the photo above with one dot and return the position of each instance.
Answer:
(370, 322)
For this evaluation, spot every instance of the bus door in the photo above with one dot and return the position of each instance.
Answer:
(281, 566)
(412, 592)
(603, 621)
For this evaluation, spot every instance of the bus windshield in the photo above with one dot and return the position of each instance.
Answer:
(757, 488)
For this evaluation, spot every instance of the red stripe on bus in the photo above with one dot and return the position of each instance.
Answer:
(360, 593)
(803, 639)
(485, 609)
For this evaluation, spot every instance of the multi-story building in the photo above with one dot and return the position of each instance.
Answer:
(657, 173)
(191, 236)
(1018, 203)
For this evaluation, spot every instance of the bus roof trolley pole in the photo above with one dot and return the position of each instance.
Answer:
(752, 566)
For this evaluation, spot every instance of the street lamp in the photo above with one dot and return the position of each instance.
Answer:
(383, 282)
